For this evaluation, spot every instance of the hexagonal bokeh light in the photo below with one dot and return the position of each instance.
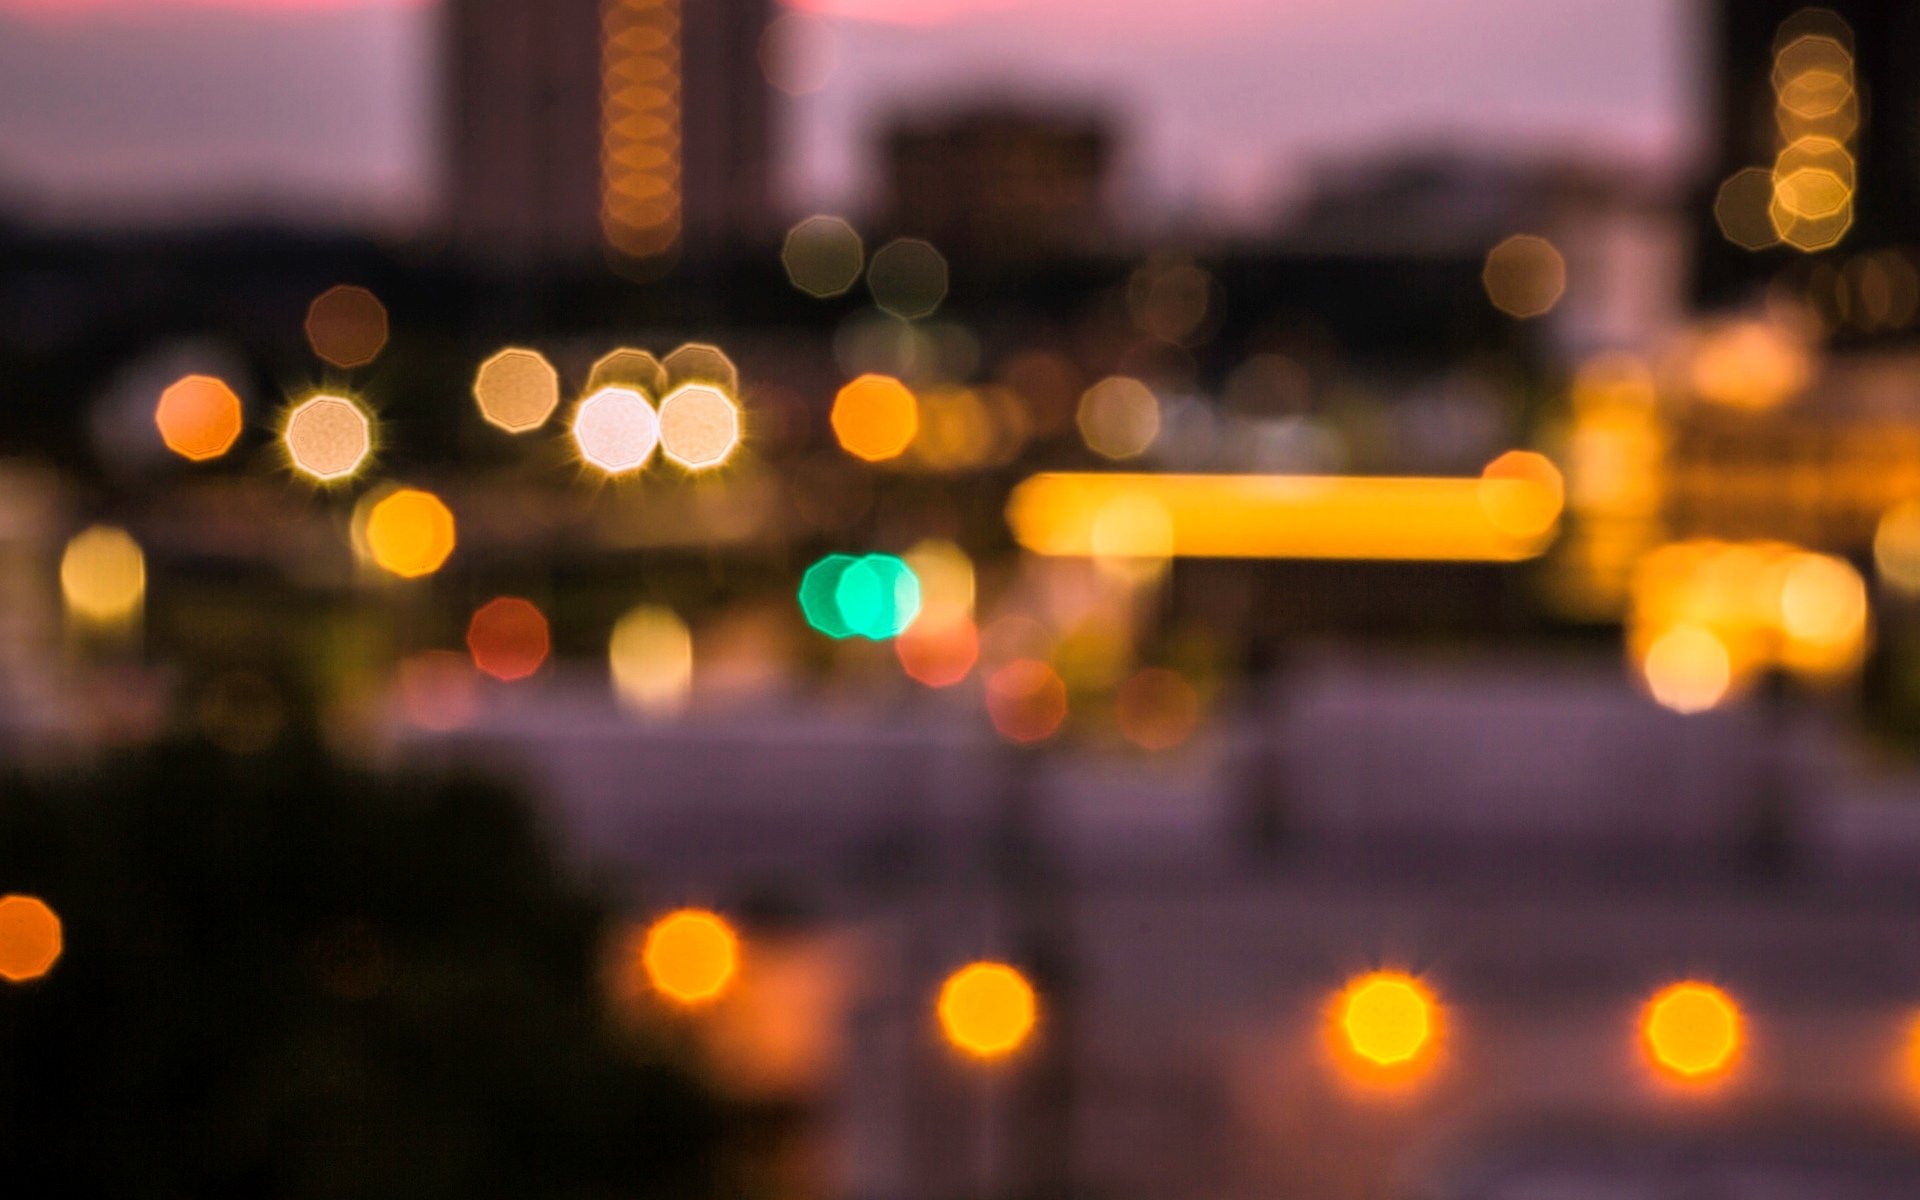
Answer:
(699, 427)
(199, 418)
(874, 597)
(1525, 276)
(823, 256)
(347, 326)
(908, 278)
(410, 533)
(517, 390)
(31, 938)
(328, 437)
(616, 430)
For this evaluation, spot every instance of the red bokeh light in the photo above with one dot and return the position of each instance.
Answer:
(508, 638)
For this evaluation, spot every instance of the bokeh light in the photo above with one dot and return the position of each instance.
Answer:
(629, 368)
(616, 430)
(940, 653)
(1691, 1032)
(1896, 547)
(699, 427)
(517, 390)
(1386, 1019)
(946, 580)
(1523, 493)
(347, 326)
(1525, 276)
(1823, 600)
(640, 134)
(698, 362)
(1751, 364)
(651, 658)
(1157, 709)
(823, 256)
(31, 938)
(1119, 417)
(437, 690)
(410, 533)
(103, 575)
(987, 1009)
(1688, 669)
(199, 418)
(508, 638)
(691, 956)
(328, 438)
(875, 418)
(1026, 700)
(908, 278)
(874, 597)
(1743, 209)
(798, 53)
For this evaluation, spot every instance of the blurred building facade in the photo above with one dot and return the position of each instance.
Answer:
(1000, 181)
(639, 126)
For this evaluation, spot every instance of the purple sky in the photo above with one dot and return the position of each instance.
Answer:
(171, 107)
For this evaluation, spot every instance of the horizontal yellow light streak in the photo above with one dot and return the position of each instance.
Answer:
(1265, 516)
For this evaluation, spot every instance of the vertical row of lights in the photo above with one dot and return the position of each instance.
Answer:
(640, 127)
(1817, 109)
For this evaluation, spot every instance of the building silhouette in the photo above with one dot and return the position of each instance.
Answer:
(572, 127)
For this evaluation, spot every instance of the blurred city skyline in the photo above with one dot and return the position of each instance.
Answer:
(322, 111)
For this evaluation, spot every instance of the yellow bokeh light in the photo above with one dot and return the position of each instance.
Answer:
(1525, 276)
(31, 938)
(1896, 547)
(410, 533)
(698, 362)
(987, 1009)
(651, 658)
(1522, 493)
(616, 430)
(699, 427)
(199, 418)
(347, 326)
(517, 390)
(1688, 669)
(1741, 209)
(629, 368)
(1386, 1019)
(1119, 418)
(691, 956)
(1692, 1032)
(103, 575)
(1748, 364)
(823, 256)
(908, 278)
(1812, 193)
(875, 418)
(328, 437)
(946, 578)
(1823, 600)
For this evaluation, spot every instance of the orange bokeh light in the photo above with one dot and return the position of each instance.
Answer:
(410, 533)
(1385, 1020)
(517, 390)
(938, 653)
(1691, 1032)
(199, 418)
(508, 638)
(1522, 493)
(875, 418)
(691, 956)
(30, 938)
(1027, 700)
(347, 326)
(987, 1009)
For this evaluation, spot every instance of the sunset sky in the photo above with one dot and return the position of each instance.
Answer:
(322, 108)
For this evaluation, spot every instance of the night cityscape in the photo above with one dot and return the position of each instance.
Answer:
(960, 599)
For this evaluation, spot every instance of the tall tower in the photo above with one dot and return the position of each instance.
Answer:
(575, 128)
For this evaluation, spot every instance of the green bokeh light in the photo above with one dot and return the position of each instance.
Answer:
(875, 597)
